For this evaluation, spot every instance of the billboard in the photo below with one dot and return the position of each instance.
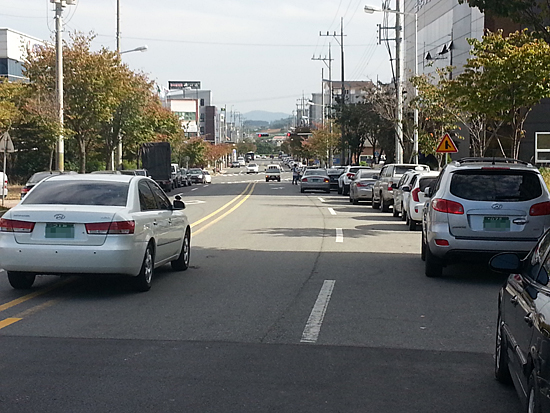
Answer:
(173, 85)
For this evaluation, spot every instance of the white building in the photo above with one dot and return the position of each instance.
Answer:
(13, 50)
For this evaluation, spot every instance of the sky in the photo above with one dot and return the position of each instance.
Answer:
(252, 54)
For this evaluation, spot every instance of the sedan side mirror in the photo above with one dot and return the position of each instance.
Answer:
(428, 192)
(406, 188)
(505, 262)
(178, 203)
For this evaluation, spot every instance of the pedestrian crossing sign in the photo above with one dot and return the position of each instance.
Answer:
(446, 145)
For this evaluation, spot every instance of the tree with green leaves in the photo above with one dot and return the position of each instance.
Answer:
(534, 14)
(325, 141)
(195, 149)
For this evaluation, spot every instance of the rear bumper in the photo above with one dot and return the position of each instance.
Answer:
(118, 255)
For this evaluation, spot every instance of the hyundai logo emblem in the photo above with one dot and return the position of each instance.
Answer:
(59, 216)
(496, 206)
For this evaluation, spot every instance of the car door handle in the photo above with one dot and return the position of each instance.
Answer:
(514, 300)
(529, 319)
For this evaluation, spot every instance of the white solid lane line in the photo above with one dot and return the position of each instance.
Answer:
(315, 320)
(194, 189)
(339, 235)
(332, 211)
(321, 199)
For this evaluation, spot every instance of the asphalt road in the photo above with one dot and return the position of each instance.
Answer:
(294, 303)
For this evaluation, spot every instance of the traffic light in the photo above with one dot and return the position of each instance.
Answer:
(262, 135)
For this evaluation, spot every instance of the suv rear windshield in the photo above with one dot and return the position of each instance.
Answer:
(504, 186)
(78, 193)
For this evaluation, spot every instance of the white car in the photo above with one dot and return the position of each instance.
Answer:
(252, 168)
(241, 161)
(416, 200)
(94, 224)
(207, 178)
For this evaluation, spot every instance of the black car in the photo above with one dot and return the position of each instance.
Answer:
(37, 177)
(522, 351)
(334, 174)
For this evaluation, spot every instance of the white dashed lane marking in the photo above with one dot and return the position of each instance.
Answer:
(339, 235)
(332, 211)
(315, 320)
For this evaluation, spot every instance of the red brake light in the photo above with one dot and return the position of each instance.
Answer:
(389, 186)
(304, 179)
(10, 225)
(448, 207)
(540, 209)
(442, 242)
(326, 180)
(119, 227)
(24, 190)
(350, 174)
(414, 194)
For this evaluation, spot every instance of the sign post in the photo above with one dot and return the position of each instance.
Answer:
(6, 146)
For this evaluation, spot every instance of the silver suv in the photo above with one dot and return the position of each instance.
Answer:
(382, 193)
(482, 206)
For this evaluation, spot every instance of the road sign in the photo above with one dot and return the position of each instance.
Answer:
(6, 144)
(446, 145)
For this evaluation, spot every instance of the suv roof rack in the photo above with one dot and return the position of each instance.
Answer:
(493, 160)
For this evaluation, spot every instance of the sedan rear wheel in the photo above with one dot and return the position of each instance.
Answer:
(384, 204)
(143, 280)
(339, 190)
(375, 205)
(412, 224)
(404, 215)
(21, 280)
(395, 212)
(533, 394)
(502, 372)
(182, 262)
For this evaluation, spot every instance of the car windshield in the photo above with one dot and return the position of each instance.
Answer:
(195, 171)
(78, 193)
(37, 177)
(252, 165)
(355, 169)
(335, 171)
(498, 185)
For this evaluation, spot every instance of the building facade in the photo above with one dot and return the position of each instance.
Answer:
(13, 50)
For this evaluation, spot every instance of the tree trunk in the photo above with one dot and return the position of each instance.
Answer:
(82, 153)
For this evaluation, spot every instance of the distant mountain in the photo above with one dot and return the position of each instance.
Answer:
(261, 115)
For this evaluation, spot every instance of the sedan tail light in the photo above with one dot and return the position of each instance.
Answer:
(414, 194)
(390, 186)
(304, 179)
(350, 175)
(448, 207)
(540, 209)
(117, 227)
(10, 225)
(363, 184)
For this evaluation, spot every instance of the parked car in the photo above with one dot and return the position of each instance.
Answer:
(382, 195)
(139, 172)
(207, 178)
(252, 168)
(415, 199)
(235, 164)
(315, 179)
(522, 345)
(106, 172)
(400, 196)
(37, 177)
(482, 206)
(94, 224)
(361, 185)
(241, 161)
(345, 179)
(334, 174)
(186, 177)
(177, 179)
(196, 175)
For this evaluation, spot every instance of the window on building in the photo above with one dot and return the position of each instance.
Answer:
(202, 130)
(202, 117)
(186, 116)
(542, 147)
(202, 102)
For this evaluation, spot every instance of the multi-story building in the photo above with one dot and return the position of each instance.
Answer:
(443, 29)
(13, 49)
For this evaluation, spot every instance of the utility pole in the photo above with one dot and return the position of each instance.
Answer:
(399, 55)
(328, 63)
(59, 5)
(343, 88)
(119, 146)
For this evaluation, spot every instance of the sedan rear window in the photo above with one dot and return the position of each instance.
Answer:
(426, 182)
(504, 186)
(78, 193)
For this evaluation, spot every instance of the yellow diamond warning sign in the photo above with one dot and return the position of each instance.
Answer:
(446, 145)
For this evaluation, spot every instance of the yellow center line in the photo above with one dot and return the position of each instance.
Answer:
(194, 224)
(227, 213)
(13, 303)
(8, 321)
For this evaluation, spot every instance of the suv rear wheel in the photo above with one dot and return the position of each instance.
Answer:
(384, 204)
(375, 205)
(434, 265)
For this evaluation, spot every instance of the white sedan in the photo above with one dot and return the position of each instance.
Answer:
(94, 224)
(206, 177)
(252, 168)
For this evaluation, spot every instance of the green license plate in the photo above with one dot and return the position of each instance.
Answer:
(59, 230)
(496, 223)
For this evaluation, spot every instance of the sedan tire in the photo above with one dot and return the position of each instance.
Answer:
(412, 224)
(143, 280)
(375, 205)
(21, 280)
(533, 394)
(404, 215)
(302, 190)
(384, 205)
(502, 372)
(182, 262)
(395, 212)
(339, 190)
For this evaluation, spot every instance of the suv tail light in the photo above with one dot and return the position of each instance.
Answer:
(390, 186)
(118, 227)
(414, 194)
(448, 207)
(326, 180)
(540, 209)
(350, 175)
(10, 225)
